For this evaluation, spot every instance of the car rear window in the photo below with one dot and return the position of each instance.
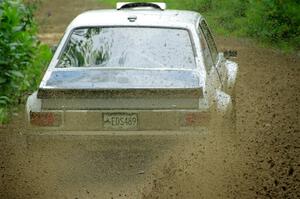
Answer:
(128, 47)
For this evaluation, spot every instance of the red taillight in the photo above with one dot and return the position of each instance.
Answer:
(197, 119)
(45, 119)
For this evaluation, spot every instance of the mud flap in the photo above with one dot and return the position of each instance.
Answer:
(232, 70)
(225, 112)
(224, 102)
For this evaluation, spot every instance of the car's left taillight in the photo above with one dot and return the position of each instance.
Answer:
(45, 119)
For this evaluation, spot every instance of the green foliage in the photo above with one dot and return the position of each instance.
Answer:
(22, 57)
(275, 21)
(271, 21)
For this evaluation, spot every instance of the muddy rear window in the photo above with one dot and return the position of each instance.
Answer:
(128, 47)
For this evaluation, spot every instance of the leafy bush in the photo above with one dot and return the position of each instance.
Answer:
(22, 57)
(275, 21)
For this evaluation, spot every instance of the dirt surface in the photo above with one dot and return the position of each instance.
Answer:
(261, 159)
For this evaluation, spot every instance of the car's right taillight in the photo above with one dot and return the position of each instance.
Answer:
(45, 119)
(196, 119)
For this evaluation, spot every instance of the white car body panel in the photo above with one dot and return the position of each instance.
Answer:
(216, 91)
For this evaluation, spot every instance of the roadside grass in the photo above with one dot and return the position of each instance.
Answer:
(217, 22)
(271, 23)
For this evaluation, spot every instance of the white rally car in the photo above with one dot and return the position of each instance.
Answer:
(136, 68)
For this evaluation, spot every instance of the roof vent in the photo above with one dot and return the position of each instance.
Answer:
(134, 5)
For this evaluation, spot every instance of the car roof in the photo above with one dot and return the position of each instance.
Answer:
(144, 17)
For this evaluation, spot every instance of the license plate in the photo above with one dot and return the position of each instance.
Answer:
(120, 121)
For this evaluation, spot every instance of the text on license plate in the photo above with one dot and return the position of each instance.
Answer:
(120, 120)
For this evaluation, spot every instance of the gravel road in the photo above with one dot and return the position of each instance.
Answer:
(261, 159)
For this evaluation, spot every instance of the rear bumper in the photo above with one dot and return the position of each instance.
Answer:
(93, 120)
(150, 134)
(147, 120)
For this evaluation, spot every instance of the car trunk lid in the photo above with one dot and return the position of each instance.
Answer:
(121, 89)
